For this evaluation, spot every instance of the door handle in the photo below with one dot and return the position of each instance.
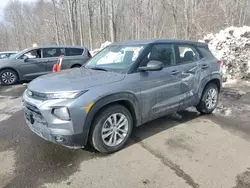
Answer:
(204, 66)
(174, 72)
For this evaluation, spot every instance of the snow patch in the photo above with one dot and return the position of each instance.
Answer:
(232, 46)
(103, 45)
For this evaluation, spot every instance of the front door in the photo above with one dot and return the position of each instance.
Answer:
(160, 90)
(33, 66)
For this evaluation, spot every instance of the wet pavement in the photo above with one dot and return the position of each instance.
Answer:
(186, 151)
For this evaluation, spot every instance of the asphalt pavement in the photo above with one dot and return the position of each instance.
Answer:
(186, 151)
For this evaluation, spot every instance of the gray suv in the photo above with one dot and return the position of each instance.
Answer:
(34, 62)
(124, 86)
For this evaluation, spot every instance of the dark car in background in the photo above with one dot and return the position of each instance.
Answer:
(33, 62)
(7, 54)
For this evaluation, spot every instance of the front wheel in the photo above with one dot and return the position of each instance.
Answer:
(111, 129)
(209, 99)
(8, 77)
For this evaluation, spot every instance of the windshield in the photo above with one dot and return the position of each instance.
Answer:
(115, 58)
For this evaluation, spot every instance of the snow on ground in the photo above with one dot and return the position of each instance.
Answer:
(233, 46)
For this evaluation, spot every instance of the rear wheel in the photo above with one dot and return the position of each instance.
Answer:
(209, 99)
(111, 129)
(8, 77)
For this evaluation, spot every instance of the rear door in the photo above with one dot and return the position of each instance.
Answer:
(33, 67)
(50, 57)
(188, 61)
(75, 57)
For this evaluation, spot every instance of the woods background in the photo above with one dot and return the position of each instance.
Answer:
(91, 22)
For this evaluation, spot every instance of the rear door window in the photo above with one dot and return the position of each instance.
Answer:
(187, 54)
(53, 52)
(74, 51)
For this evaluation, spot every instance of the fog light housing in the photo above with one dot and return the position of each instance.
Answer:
(59, 138)
(61, 113)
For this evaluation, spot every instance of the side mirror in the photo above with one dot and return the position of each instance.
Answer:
(152, 66)
(26, 58)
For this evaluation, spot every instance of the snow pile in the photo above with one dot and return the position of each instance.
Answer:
(232, 45)
(95, 51)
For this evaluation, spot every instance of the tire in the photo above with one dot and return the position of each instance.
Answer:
(76, 66)
(8, 77)
(204, 106)
(102, 127)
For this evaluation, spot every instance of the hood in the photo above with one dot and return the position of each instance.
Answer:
(73, 79)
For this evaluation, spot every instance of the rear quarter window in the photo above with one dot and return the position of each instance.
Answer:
(74, 51)
(206, 52)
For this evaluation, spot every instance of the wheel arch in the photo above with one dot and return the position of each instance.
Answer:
(128, 100)
(216, 79)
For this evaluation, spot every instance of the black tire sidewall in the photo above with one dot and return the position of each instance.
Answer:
(96, 138)
(202, 105)
(8, 70)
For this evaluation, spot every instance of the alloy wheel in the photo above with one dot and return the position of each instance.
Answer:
(212, 97)
(8, 77)
(115, 129)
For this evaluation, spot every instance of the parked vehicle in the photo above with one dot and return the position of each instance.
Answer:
(125, 85)
(7, 54)
(34, 62)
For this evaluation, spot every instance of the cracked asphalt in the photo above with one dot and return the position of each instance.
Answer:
(185, 151)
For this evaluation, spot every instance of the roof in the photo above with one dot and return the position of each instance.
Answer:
(54, 46)
(60, 46)
(176, 41)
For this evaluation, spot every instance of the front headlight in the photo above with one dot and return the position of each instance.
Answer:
(65, 95)
(61, 113)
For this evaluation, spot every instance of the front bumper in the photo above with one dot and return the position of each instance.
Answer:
(41, 121)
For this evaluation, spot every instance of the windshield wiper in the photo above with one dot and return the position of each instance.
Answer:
(99, 68)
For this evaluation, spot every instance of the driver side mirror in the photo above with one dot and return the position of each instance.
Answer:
(152, 66)
(26, 58)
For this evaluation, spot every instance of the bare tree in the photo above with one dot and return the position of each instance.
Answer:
(56, 22)
(91, 22)
(112, 22)
(90, 15)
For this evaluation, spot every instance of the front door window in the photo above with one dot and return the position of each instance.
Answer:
(33, 54)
